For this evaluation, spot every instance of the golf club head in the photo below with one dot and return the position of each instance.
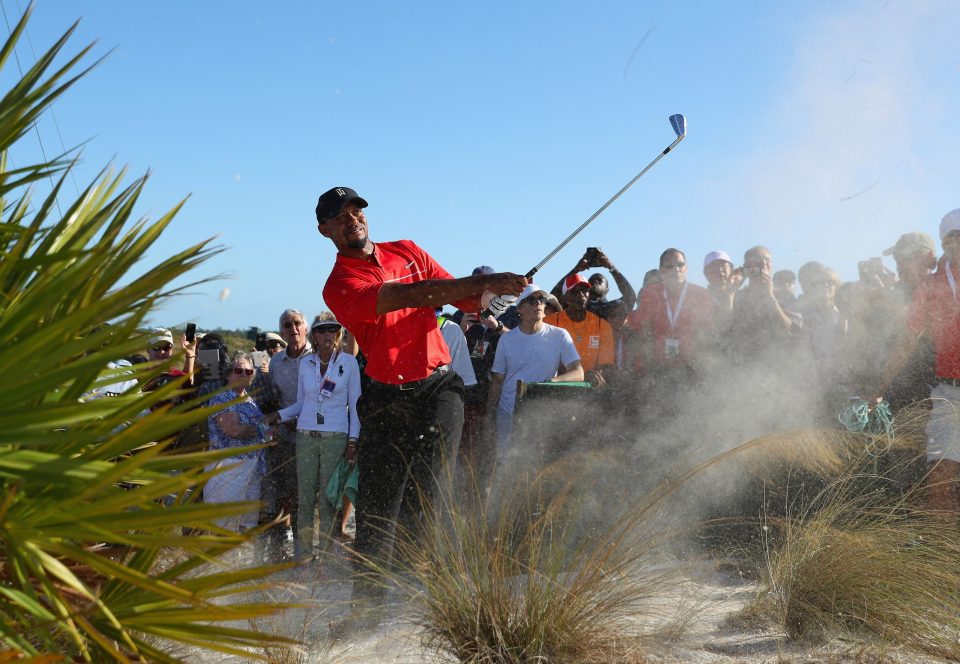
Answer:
(679, 124)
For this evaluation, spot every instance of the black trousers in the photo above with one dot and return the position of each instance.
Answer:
(404, 438)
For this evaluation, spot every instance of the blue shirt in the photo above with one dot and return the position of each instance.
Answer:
(249, 414)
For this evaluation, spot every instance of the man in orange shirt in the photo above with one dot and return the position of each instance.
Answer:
(592, 335)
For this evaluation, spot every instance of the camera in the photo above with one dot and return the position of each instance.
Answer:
(593, 256)
(261, 342)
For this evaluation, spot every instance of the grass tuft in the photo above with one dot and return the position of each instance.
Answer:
(866, 563)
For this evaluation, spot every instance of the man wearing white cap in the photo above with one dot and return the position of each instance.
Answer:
(718, 269)
(532, 352)
(935, 312)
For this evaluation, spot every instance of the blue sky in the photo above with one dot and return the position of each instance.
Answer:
(487, 132)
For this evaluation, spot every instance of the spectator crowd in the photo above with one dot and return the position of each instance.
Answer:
(892, 336)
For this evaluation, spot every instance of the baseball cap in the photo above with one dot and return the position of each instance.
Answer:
(323, 324)
(528, 291)
(950, 223)
(573, 281)
(273, 336)
(718, 255)
(159, 335)
(911, 243)
(332, 201)
(483, 269)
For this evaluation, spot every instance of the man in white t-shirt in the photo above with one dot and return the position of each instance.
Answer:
(532, 352)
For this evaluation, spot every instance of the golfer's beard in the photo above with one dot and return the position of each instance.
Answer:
(359, 243)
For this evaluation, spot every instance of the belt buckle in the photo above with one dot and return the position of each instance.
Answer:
(403, 387)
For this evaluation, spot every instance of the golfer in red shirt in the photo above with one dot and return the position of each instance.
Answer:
(385, 293)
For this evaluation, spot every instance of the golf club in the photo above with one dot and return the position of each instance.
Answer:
(498, 304)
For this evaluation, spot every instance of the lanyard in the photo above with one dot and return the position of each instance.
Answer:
(951, 281)
(321, 374)
(672, 315)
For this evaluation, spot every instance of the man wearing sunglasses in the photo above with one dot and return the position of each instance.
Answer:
(532, 352)
(385, 293)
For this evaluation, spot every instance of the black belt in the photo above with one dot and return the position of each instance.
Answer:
(414, 384)
(949, 381)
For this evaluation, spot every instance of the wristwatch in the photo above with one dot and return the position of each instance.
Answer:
(499, 326)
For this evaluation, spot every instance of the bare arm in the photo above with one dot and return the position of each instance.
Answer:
(229, 421)
(572, 373)
(493, 394)
(627, 293)
(437, 292)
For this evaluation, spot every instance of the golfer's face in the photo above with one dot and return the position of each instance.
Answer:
(348, 230)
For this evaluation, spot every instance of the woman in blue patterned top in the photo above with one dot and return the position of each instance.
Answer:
(238, 425)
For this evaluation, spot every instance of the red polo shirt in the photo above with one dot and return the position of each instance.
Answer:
(935, 311)
(694, 322)
(403, 345)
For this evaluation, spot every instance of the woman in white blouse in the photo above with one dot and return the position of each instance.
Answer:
(327, 427)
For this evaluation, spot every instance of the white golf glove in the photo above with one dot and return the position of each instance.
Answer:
(496, 304)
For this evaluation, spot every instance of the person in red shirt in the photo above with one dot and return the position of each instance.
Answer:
(935, 312)
(673, 323)
(411, 414)
(671, 332)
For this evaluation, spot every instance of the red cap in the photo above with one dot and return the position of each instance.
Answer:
(572, 281)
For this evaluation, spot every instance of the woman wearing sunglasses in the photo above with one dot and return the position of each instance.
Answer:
(238, 425)
(327, 428)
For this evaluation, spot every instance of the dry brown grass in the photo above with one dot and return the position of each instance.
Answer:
(867, 563)
(531, 581)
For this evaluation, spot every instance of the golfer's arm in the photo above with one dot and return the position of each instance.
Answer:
(428, 293)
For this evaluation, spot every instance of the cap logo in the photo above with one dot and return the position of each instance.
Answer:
(340, 192)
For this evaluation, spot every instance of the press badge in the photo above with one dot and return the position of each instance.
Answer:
(594, 341)
(326, 389)
(671, 348)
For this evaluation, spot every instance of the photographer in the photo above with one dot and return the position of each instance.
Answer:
(760, 324)
(613, 311)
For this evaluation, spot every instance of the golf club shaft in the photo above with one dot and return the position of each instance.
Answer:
(536, 268)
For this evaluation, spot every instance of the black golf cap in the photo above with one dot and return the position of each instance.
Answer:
(332, 201)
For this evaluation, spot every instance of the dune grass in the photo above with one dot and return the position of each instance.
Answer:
(870, 564)
(557, 572)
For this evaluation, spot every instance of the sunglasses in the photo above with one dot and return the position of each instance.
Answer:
(242, 372)
(274, 344)
(535, 299)
(679, 265)
(292, 323)
(163, 347)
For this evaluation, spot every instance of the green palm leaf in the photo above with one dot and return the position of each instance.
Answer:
(89, 570)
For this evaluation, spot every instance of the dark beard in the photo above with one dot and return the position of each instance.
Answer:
(359, 243)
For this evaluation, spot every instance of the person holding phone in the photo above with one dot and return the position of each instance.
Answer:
(327, 428)
(760, 323)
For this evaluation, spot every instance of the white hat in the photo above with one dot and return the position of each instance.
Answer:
(528, 291)
(716, 256)
(273, 336)
(950, 223)
(160, 334)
